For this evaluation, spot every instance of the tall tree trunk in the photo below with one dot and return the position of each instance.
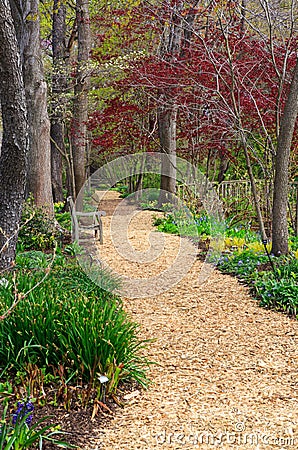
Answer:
(27, 25)
(175, 41)
(80, 104)
(223, 167)
(59, 85)
(167, 120)
(281, 178)
(13, 158)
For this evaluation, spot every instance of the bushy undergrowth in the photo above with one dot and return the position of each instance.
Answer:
(62, 217)
(279, 289)
(243, 264)
(38, 231)
(67, 322)
(181, 222)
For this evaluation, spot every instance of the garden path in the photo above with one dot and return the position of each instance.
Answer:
(226, 373)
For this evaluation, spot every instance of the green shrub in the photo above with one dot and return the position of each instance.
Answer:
(203, 225)
(287, 268)
(293, 243)
(177, 222)
(64, 219)
(37, 231)
(241, 231)
(68, 321)
(123, 190)
(183, 223)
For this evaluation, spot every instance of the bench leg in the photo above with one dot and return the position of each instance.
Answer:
(100, 232)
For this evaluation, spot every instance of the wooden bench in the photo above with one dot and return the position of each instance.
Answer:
(96, 224)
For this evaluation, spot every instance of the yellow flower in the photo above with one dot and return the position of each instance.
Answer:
(239, 242)
(256, 246)
(234, 242)
(228, 242)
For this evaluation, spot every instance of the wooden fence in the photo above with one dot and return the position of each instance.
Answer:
(238, 201)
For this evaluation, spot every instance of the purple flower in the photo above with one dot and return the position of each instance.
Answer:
(22, 411)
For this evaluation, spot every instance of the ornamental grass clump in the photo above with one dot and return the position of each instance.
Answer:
(68, 321)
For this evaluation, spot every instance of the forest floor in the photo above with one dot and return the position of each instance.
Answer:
(226, 372)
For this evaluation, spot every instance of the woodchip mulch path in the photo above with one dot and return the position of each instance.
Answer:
(226, 373)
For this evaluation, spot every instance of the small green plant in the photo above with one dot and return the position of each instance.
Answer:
(281, 295)
(181, 222)
(18, 433)
(240, 231)
(33, 259)
(64, 219)
(242, 263)
(73, 249)
(293, 243)
(6, 390)
(123, 190)
(203, 225)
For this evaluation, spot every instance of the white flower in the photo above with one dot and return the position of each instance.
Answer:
(103, 379)
(4, 282)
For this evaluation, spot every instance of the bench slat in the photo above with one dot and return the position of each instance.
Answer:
(97, 222)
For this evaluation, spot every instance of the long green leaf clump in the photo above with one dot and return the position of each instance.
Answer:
(68, 320)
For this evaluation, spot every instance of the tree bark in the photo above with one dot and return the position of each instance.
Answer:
(27, 25)
(13, 158)
(59, 85)
(281, 178)
(175, 41)
(80, 104)
(223, 167)
(167, 120)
